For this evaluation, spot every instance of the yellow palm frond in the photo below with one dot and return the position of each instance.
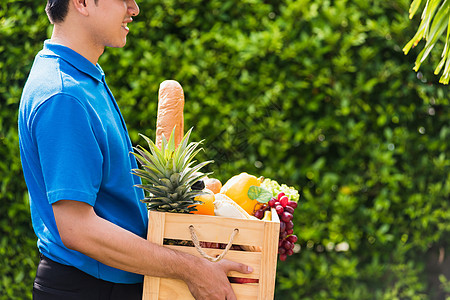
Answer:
(435, 20)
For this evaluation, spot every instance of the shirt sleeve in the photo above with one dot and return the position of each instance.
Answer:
(69, 153)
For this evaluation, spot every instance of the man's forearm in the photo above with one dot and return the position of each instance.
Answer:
(117, 247)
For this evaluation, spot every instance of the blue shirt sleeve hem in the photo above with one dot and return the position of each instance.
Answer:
(54, 196)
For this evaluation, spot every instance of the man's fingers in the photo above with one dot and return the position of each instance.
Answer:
(244, 269)
(234, 266)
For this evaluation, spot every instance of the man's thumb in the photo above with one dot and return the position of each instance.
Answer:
(241, 268)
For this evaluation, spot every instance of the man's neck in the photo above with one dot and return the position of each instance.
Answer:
(64, 34)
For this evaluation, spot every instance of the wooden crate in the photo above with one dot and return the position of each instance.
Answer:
(215, 229)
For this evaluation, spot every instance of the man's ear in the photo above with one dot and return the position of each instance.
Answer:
(80, 6)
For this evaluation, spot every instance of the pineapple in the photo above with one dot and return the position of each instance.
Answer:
(169, 174)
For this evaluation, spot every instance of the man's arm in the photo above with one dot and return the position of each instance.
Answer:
(82, 230)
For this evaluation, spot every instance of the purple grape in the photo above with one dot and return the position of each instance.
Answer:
(272, 202)
(281, 194)
(290, 225)
(285, 209)
(287, 245)
(292, 204)
(292, 245)
(289, 209)
(282, 227)
(292, 238)
(259, 214)
(286, 217)
(279, 209)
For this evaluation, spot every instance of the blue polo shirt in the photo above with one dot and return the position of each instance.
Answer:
(74, 145)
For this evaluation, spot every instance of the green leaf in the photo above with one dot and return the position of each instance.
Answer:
(259, 194)
(413, 8)
(435, 18)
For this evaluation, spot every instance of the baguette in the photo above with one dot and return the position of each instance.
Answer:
(170, 112)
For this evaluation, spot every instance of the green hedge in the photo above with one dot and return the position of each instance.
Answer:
(312, 93)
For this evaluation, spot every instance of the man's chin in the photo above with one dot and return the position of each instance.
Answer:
(118, 44)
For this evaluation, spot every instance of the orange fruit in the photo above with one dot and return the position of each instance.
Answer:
(207, 207)
(237, 188)
(213, 184)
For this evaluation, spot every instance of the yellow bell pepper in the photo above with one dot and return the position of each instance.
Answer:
(237, 188)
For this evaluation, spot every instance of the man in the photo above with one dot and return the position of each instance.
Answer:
(75, 152)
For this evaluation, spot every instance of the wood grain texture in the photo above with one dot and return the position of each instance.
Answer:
(156, 223)
(251, 232)
(269, 259)
(217, 230)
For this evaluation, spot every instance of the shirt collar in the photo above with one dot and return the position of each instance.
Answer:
(74, 58)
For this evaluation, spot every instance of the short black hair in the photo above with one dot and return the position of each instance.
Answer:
(57, 10)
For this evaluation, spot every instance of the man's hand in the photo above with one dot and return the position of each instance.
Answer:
(210, 281)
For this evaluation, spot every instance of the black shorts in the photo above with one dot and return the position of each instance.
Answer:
(55, 281)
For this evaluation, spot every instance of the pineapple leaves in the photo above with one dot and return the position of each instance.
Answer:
(175, 179)
(149, 188)
(170, 172)
(183, 145)
(148, 159)
(190, 177)
(171, 145)
(145, 175)
(167, 183)
(156, 155)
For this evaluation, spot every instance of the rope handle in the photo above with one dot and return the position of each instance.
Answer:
(203, 253)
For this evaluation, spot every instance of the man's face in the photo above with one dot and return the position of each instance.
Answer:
(109, 20)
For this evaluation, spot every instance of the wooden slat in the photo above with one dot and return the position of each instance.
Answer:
(252, 259)
(155, 234)
(173, 289)
(251, 232)
(275, 217)
(156, 224)
(151, 288)
(247, 291)
(269, 260)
